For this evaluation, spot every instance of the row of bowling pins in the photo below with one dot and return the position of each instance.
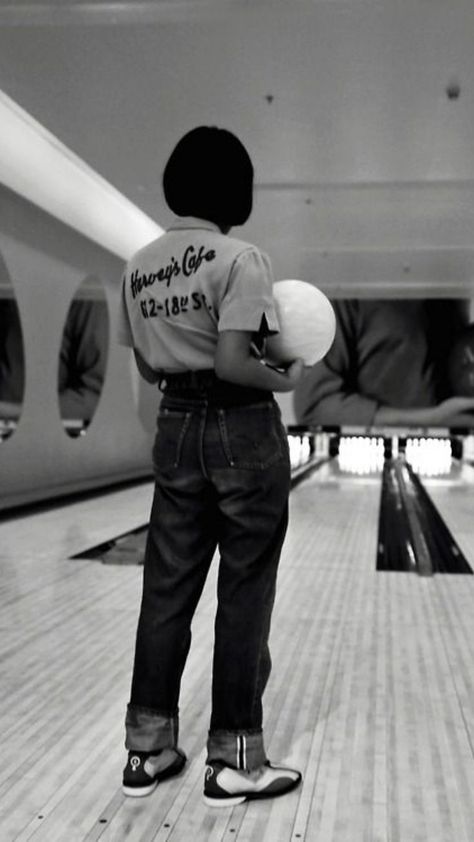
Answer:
(468, 448)
(429, 456)
(304, 447)
(361, 455)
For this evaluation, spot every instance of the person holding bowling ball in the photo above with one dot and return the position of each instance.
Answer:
(194, 304)
(388, 365)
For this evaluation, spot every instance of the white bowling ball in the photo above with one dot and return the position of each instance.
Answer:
(307, 323)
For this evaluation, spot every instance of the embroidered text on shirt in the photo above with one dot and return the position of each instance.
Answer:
(189, 265)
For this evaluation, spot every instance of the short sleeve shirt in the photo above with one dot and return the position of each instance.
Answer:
(182, 289)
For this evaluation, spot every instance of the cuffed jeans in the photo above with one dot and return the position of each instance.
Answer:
(222, 480)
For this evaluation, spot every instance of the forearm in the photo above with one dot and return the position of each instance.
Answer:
(254, 373)
(338, 409)
(235, 361)
(321, 398)
(392, 415)
(431, 416)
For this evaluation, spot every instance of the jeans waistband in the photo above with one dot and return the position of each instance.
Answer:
(205, 385)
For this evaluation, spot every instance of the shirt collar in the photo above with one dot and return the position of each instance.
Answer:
(181, 223)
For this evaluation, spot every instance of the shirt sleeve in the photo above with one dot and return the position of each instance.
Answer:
(248, 300)
(124, 331)
(328, 393)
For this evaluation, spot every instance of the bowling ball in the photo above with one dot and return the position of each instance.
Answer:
(461, 363)
(307, 323)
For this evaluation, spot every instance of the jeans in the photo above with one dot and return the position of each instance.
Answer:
(222, 478)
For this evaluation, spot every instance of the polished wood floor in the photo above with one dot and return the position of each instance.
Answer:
(372, 693)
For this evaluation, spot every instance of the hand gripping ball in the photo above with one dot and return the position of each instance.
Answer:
(307, 323)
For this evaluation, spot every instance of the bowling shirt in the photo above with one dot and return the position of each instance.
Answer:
(385, 353)
(180, 291)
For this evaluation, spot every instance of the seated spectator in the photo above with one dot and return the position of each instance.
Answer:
(387, 366)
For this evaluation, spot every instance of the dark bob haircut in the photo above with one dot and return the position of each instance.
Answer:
(210, 175)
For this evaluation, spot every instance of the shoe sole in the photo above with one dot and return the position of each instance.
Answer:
(224, 802)
(139, 791)
(233, 800)
(170, 772)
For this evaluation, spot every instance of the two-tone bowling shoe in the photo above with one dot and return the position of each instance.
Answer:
(225, 787)
(144, 771)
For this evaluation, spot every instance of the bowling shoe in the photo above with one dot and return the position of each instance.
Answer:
(144, 771)
(225, 787)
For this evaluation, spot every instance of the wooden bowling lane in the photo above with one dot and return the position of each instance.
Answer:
(453, 495)
(363, 696)
(454, 595)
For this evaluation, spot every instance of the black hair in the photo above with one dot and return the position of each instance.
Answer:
(209, 174)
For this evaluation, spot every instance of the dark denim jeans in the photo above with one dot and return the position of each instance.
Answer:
(222, 480)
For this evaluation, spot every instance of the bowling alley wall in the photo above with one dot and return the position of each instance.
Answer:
(359, 121)
(55, 439)
(64, 429)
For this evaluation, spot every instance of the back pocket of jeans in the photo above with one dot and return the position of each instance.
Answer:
(251, 435)
(172, 428)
